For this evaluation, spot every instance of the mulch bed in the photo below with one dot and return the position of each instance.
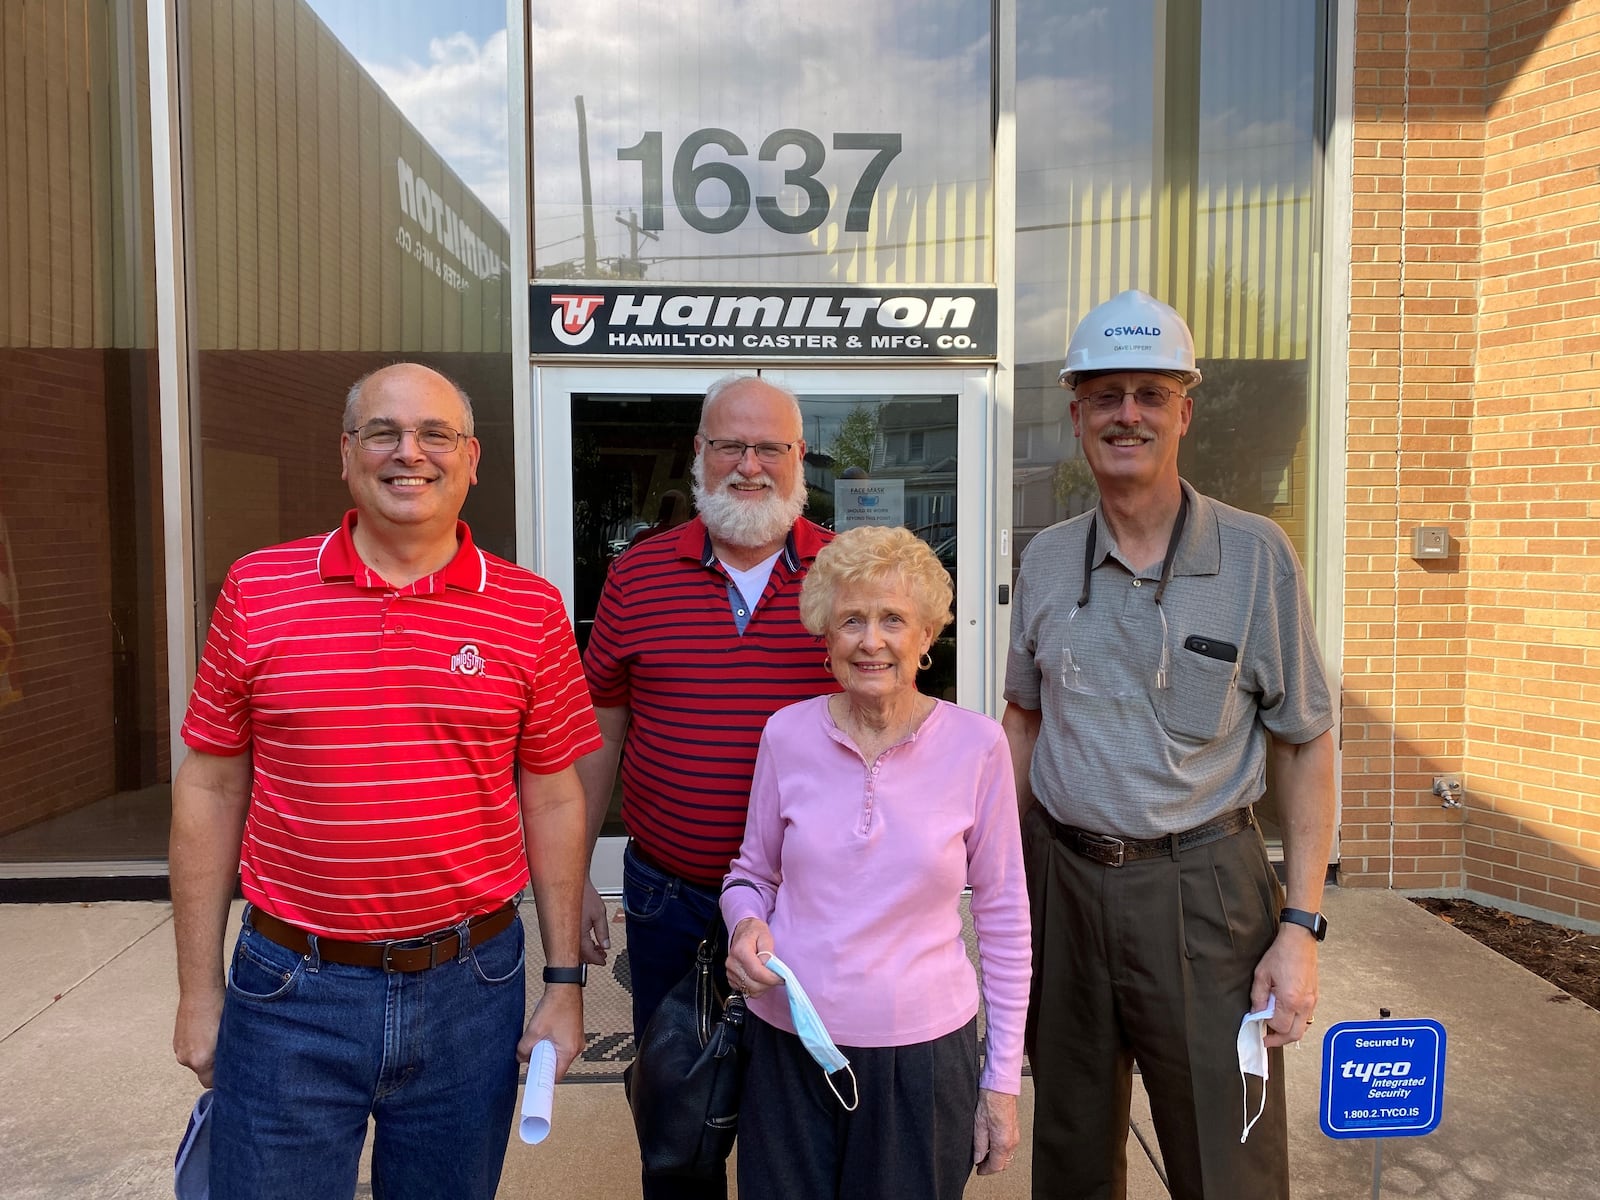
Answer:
(1565, 957)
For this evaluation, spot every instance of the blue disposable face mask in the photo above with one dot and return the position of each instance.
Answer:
(813, 1033)
(191, 1168)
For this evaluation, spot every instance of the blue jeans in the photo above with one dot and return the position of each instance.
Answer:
(309, 1049)
(666, 918)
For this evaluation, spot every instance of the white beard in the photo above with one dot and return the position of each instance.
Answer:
(740, 522)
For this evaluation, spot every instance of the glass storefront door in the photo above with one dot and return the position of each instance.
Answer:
(882, 447)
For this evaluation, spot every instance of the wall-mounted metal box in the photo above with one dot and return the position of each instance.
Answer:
(1430, 541)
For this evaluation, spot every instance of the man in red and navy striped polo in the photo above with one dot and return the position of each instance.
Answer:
(382, 740)
(697, 641)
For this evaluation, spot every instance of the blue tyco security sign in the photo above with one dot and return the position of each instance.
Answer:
(1382, 1078)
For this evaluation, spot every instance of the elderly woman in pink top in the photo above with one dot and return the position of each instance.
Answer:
(870, 811)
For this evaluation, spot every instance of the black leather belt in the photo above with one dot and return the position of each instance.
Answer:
(1114, 851)
(403, 955)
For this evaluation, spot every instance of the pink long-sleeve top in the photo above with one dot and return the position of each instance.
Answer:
(858, 869)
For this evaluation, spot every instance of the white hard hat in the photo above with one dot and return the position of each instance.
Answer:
(1131, 332)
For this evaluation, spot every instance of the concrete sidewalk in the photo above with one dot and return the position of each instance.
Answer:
(92, 1104)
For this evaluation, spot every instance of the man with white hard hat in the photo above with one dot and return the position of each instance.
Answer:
(1162, 657)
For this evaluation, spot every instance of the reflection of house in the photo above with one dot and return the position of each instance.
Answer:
(917, 442)
(1042, 443)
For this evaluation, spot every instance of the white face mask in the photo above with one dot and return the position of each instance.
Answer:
(813, 1034)
(1253, 1060)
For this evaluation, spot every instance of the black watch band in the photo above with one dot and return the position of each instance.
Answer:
(1314, 921)
(578, 974)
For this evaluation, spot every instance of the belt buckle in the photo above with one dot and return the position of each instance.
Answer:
(426, 941)
(1116, 846)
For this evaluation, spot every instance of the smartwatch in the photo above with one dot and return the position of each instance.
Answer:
(1314, 921)
(578, 974)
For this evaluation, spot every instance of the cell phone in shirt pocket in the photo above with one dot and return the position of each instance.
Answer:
(1212, 648)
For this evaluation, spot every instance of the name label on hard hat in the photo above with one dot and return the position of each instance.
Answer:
(1134, 331)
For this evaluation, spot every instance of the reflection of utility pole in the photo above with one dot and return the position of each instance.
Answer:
(816, 442)
(635, 268)
(1176, 149)
(589, 269)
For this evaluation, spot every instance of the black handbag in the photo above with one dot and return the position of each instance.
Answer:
(687, 1074)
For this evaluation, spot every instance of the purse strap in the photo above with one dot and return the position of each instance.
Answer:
(706, 1000)
(710, 1003)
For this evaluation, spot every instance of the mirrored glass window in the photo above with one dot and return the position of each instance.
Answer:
(831, 142)
(1176, 149)
(349, 174)
(84, 765)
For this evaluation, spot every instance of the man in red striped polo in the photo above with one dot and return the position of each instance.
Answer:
(382, 737)
(697, 641)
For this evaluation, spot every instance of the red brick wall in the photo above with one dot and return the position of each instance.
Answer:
(1475, 353)
(56, 743)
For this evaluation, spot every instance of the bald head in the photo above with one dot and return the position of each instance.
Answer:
(401, 374)
(779, 405)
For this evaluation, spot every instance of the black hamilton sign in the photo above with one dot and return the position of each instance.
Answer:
(730, 321)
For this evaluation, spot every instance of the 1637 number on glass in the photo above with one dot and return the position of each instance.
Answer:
(689, 174)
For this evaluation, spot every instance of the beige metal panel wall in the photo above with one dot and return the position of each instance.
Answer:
(941, 233)
(1252, 247)
(322, 220)
(74, 218)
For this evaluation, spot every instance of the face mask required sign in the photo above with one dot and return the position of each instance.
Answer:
(760, 322)
(1382, 1078)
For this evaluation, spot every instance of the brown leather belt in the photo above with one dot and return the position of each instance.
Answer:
(404, 955)
(1114, 851)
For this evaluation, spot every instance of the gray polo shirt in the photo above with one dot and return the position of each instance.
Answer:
(1118, 755)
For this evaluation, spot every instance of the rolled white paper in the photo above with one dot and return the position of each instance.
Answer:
(537, 1095)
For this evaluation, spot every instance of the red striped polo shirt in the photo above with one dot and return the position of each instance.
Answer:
(666, 645)
(386, 726)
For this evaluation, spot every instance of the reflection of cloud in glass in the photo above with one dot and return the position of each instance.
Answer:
(444, 68)
(921, 71)
(457, 101)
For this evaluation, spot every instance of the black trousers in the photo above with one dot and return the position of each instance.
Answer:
(1150, 963)
(910, 1137)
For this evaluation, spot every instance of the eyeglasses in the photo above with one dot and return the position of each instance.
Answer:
(1149, 395)
(431, 439)
(732, 451)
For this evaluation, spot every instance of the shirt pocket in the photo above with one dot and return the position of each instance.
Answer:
(1200, 699)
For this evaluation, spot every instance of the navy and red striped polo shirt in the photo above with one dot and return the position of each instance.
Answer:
(386, 727)
(665, 644)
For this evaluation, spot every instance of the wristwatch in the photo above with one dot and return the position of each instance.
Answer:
(1314, 921)
(578, 974)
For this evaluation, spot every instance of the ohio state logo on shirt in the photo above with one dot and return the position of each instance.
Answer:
(466, 661)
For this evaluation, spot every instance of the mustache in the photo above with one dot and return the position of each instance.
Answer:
(1115, 431)
(733, 477)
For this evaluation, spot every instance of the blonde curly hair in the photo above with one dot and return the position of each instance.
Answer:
(877, 554)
